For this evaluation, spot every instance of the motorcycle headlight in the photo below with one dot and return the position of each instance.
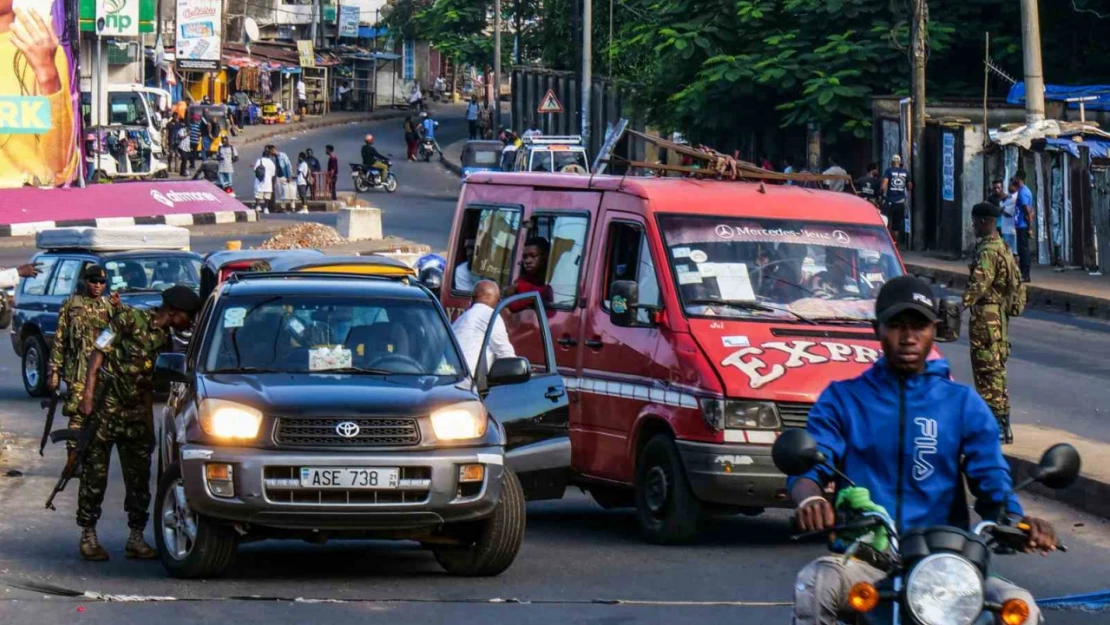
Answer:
(944, 589)
(723, 414)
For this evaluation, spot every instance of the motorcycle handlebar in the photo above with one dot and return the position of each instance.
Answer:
(862, 524)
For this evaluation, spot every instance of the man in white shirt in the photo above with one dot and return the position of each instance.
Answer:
(10, 277)
(835, 170)
(264, 184)
(470, 328)
(302, 98)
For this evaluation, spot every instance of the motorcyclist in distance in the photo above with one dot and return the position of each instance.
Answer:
(372, 158)
(905, 432)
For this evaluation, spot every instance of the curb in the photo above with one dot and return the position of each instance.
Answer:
(173, 219)
(451, 166)
(1038, 296)
(1087, 495)
(284, 129)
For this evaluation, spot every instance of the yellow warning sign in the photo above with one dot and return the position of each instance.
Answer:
(550, 103)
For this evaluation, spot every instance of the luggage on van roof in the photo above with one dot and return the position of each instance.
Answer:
(114, 239)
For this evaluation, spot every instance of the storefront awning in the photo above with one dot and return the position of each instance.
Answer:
(1099, 149)
(1063, 93)
(370, 32)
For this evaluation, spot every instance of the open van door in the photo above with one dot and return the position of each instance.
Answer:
(527, 396)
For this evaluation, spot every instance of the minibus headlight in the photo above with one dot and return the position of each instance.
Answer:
(726, 414)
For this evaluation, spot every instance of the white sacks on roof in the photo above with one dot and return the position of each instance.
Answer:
(114, 239)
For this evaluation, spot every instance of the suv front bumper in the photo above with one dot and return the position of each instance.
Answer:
(734, 474)
(268, 493)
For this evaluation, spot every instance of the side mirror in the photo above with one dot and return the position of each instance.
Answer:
(624, 297)
(170, 368)
(1059, 467)
(509, 371)
(949, 321)
(795, 452)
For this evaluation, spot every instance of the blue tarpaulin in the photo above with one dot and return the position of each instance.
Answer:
(369, 32)
(1064, 92)
(1099, 149)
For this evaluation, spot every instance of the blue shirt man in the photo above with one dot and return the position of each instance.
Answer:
(429, 126)
(896, 178)
(1024, 201)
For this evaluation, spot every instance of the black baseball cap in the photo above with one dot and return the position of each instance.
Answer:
(905, 293)
(95, 272)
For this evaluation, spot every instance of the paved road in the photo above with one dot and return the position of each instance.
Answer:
(575, 554)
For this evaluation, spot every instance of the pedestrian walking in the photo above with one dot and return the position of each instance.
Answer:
(835, 170)
(994, 292)
(472, 112)
(412, 136)
(304, 173)
(302, 98)
(123, 363)
(265, 172)
(867, 186)
(1023, 225)
(227, 155)
(1006, 226)
(428, 130)
(333, 170)
(184, 144)
(892, 190)
(206, 135)
(82, 316)
(195, 135)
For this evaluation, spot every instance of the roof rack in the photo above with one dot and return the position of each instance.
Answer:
(554, 139)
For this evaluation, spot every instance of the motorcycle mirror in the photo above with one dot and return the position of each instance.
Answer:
(795, 452)
(1059, 467)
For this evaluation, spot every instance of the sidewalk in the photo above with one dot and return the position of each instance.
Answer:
(1071, 291)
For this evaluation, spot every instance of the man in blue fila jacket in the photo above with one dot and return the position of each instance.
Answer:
(899, 431)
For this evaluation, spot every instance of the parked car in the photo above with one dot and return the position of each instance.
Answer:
(481, 156)
(325, 406)
(552, 154)
(694, 320)
(138, 276)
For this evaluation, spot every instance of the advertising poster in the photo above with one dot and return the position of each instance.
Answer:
(199, 35)
(121, 17)
(306, 54)
(39, 124)
(348, 21)
(948, 168)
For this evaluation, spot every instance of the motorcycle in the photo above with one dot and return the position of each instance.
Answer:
(934, 575)
(369, 178)
(427, 149)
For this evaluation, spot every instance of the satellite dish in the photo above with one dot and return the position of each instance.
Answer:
(250, 30)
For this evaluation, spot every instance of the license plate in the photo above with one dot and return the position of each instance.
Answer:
(353, 478)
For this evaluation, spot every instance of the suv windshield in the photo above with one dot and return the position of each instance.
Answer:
(311, 334)
(779, 269)
(152, 273)
(557, 160)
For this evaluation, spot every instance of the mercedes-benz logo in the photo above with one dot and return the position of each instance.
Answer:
(841, 237)
(347, 429)
(725, 231)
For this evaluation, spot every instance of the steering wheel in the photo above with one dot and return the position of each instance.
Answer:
(573, 168)
(407, 364)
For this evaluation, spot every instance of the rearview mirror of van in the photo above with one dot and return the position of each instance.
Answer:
(624, 298)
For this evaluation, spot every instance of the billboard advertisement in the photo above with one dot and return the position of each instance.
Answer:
(39, 124)
(121, 17)
(348, 21)
(199, 35)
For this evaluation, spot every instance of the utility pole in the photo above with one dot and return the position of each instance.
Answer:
(374, 58)
(497, 65)
(587, 66)
(1031, 52)
(918, 53)
(312, 25)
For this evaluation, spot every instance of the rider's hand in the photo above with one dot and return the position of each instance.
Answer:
(816, 515)
(1042, 537)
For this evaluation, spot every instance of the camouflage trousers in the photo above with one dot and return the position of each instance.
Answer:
(74, 392)
(131, 432)
(990, 349)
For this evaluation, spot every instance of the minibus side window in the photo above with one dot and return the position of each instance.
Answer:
(564, 236)
(486, 245)
(629, 258)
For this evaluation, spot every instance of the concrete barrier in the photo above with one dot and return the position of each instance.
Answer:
(360, 223)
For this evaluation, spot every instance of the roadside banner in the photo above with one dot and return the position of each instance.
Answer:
(306, 54)
(348, 21)
(39, 124)
(199, 35)
(100, 201)
(121, 17)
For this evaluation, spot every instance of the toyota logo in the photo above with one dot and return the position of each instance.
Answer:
(347, 429)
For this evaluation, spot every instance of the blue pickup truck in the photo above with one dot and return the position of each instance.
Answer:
(138, 276)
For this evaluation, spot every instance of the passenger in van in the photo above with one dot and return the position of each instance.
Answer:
(463, 279)
(533, 273)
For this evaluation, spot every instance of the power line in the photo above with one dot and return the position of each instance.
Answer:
(1100, 16)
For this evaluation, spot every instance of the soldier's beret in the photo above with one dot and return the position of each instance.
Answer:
(182, 298)
(986, 209)
(95, 272)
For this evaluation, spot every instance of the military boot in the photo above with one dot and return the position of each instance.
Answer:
(1005, 432)
(90, 547)
(136, 547)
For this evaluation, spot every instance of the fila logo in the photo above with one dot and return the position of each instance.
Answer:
(924, 299)
(924, 445)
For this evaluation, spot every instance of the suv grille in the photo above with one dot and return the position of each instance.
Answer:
(794, 414)
(372, 432)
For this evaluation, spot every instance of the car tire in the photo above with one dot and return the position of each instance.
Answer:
(666, 507)
(35, 357)
(211, 548)
(612, 497)
(496, 539)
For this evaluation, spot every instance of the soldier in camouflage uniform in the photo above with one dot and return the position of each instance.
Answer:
(81, 318)
(123, 361)
(993, 285)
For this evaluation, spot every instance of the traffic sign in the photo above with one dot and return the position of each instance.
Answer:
(550, 103)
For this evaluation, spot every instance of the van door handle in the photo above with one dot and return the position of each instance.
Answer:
(566, 341)
(594, 343)
(554, 393)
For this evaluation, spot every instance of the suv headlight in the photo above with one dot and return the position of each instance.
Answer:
(460, 421)
(228, 419)
(944, 589)
(726, 414)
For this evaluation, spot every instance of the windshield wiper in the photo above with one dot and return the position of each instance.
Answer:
(245, 370)
(833, 320)
(748, 305)
(370, 370)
